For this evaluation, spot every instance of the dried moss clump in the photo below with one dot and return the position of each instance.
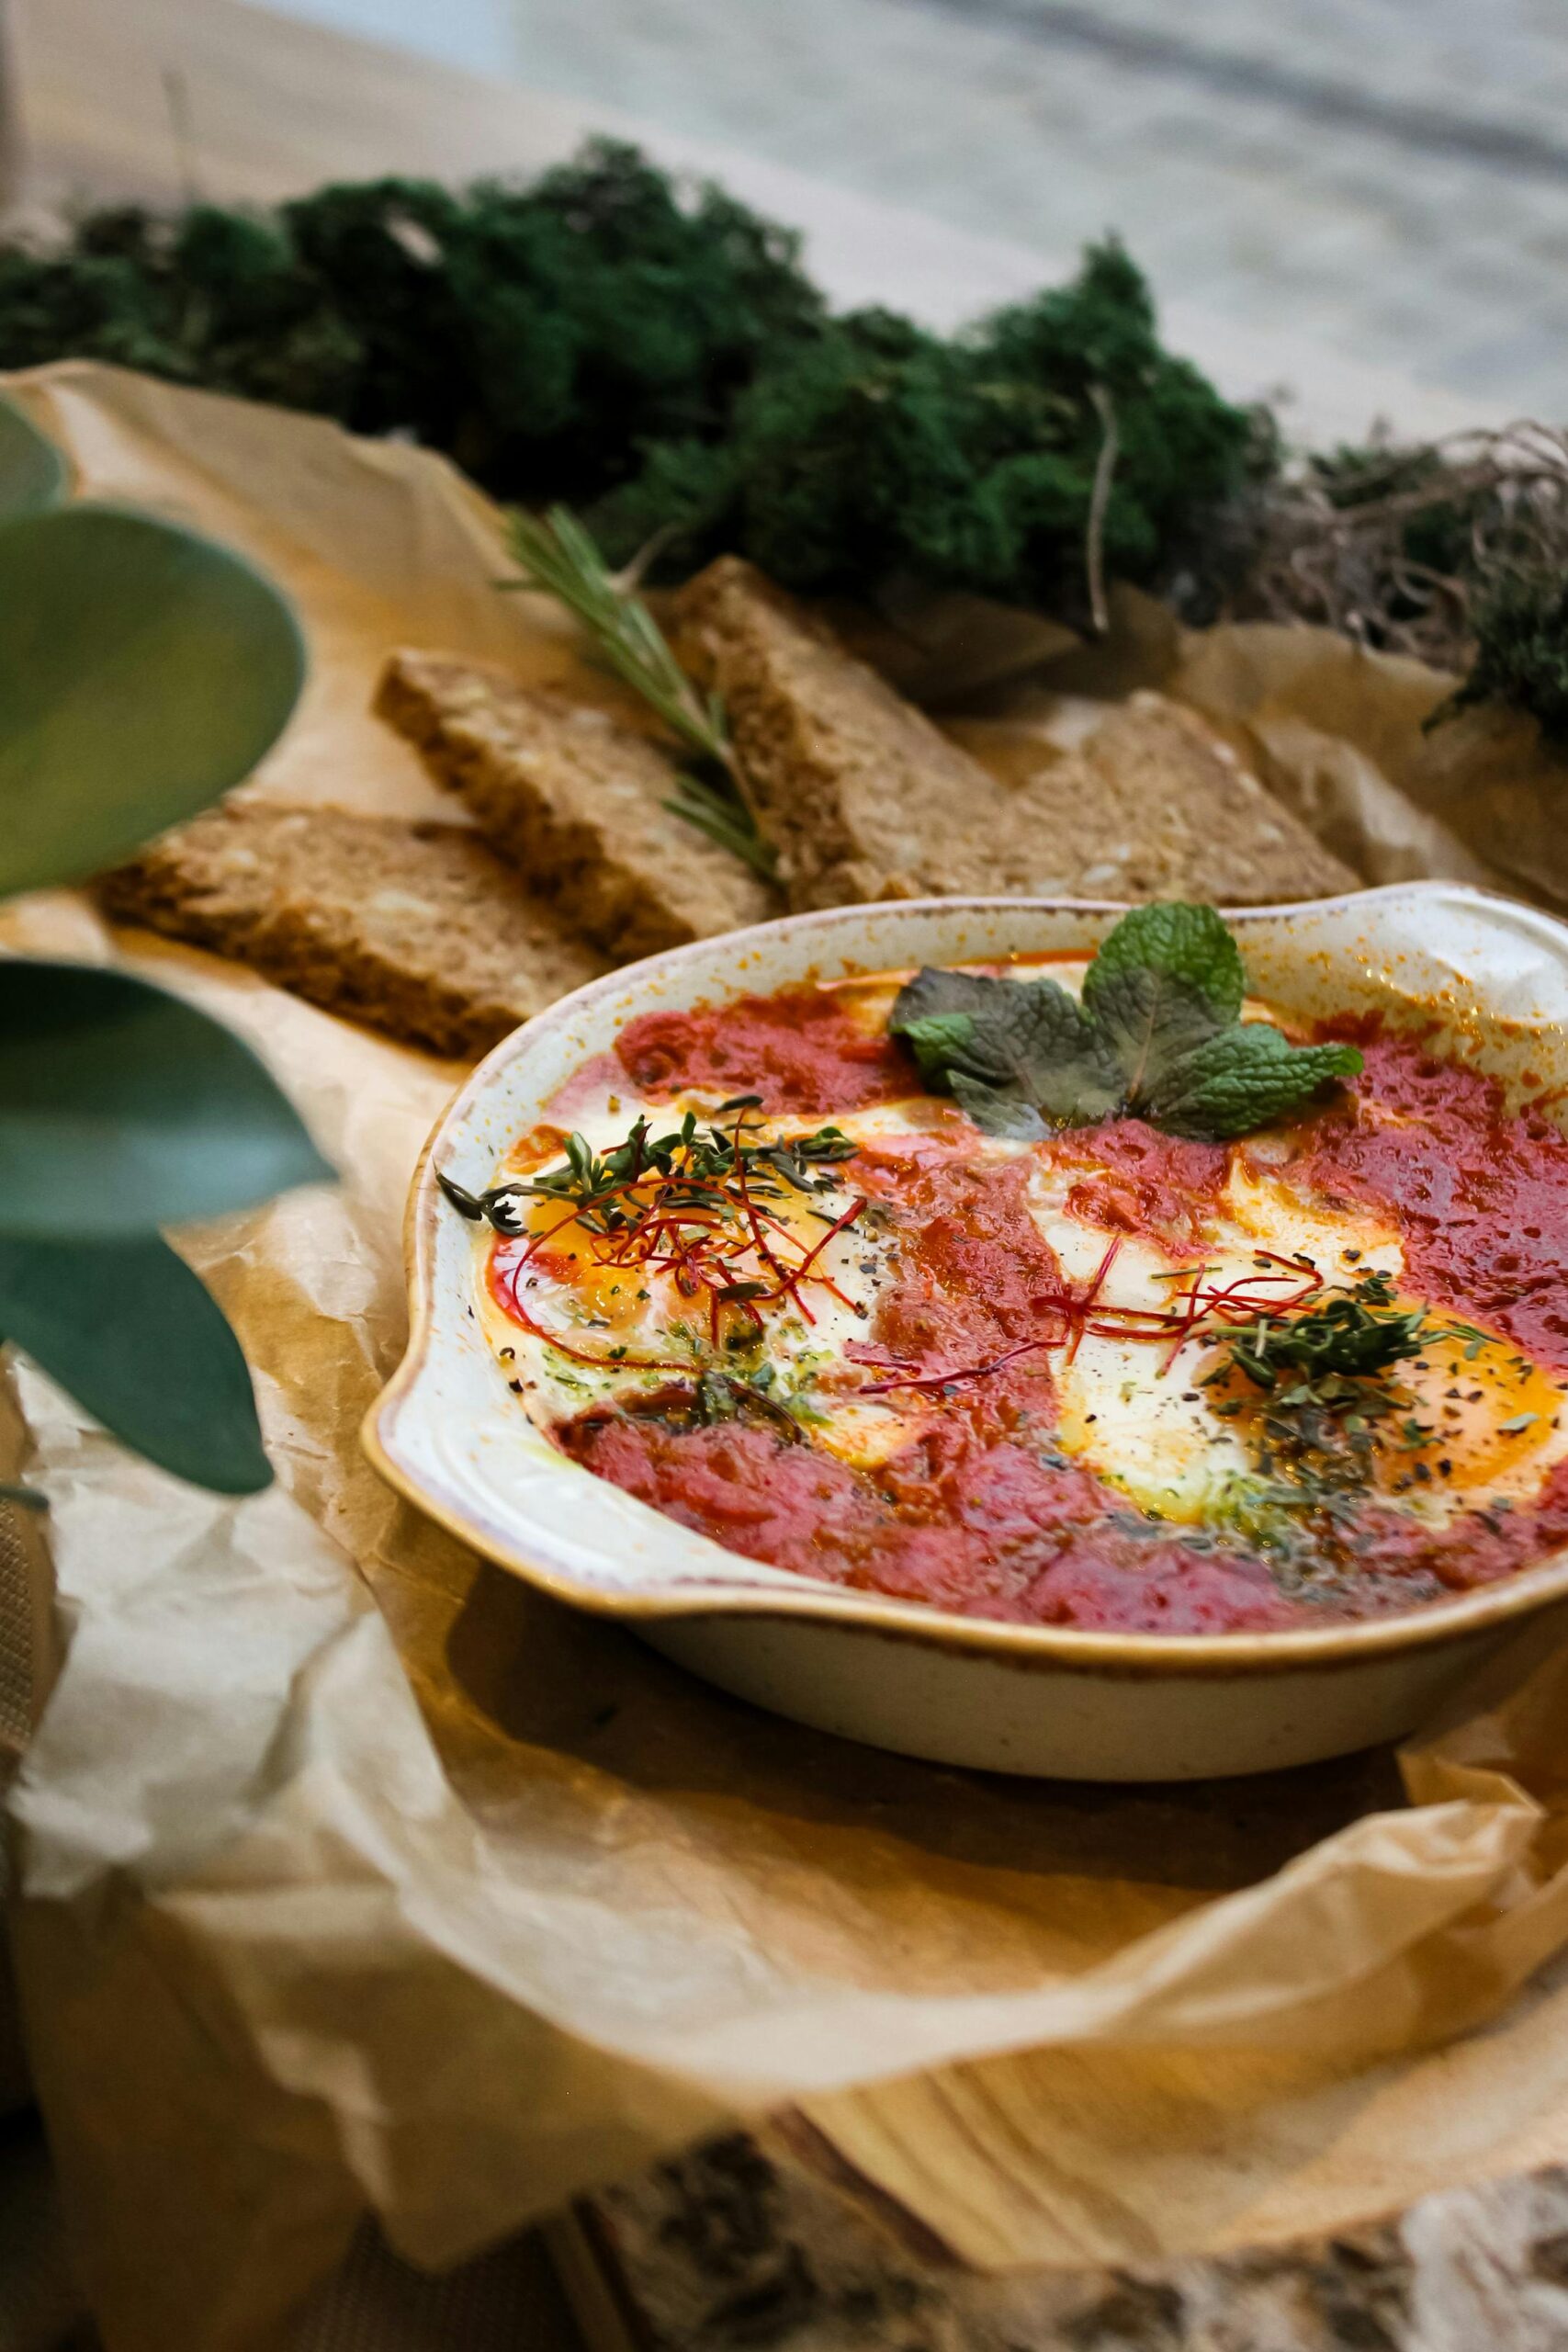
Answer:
(875, 450)
(1408, 549)
(1521, 651)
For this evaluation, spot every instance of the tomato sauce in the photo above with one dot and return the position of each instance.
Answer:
(980, 1512)
(800, 1050)
(983, 1528)
(1479, 1197)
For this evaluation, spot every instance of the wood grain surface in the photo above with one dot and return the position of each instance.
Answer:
(160, 99)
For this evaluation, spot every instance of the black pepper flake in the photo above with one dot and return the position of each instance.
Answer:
(516, 1386)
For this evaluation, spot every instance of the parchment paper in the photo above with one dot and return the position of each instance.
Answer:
(354, 1873)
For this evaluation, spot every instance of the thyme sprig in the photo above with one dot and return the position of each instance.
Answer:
(1352, 1335)
(691, 1167)
(556, 555)
(1329, 1400)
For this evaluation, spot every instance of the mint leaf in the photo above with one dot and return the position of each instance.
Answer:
(1021, 1041)
(997, 1113)
(934, 991)
(1183, 943)
(938, 1043)
(1151, 1018)
(1157, 1037)
(1241, 1078)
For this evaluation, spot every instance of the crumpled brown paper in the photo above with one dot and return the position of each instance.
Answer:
(356, 1873)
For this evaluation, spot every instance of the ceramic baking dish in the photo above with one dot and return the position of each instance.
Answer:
(1109, 1706)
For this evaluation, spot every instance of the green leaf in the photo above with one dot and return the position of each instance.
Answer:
(1026, 1040)
(933, 1012)
(1185, 943)
(143, 671)
(122, 1108)
(1156, 1036)
(1242, 1079)
(996, 1113)
(1150, 1019)
(33, 474)
(128, 1331)
(938, 1042)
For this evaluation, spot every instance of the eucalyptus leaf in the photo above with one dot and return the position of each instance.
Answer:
(123, 1108)
(143, 671)
(128, 1330)
(33, 473)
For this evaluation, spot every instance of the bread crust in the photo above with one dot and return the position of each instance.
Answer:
(865, 799)
(418, 929)
(576, 801)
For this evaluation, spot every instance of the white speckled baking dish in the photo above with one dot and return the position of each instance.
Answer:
(1053, 1701)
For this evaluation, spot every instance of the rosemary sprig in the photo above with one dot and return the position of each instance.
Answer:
(556, 555)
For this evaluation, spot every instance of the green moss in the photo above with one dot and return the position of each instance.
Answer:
(538, 333)
(875, 448)
(599, 337)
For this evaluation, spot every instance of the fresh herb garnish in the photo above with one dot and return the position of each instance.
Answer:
(1158, 1035)
(559, 556)
(700, 1205)
(1326, 1403)
(1353, 1335)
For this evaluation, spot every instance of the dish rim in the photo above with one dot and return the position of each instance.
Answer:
(1130, 1655)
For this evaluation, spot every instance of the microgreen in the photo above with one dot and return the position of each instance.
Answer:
(1158, 1036)
(701, 1205)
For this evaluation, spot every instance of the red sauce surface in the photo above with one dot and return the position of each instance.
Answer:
(983, 1529)
(1480, 1198)
(799, 1050)
(980, 1513)
(1144, 1182)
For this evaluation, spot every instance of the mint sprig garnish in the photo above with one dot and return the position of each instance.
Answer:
(1157, 1037)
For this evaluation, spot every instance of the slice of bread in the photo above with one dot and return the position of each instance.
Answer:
(861, 796)
(576, 801)
(416, 929)
(1154, 805)
(865, 799)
